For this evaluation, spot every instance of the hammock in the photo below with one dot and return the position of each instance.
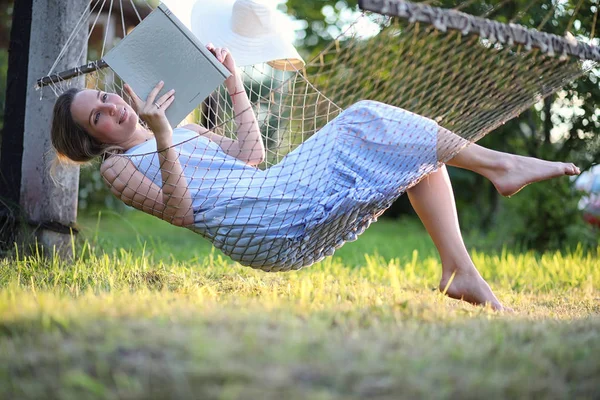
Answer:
(334, 163)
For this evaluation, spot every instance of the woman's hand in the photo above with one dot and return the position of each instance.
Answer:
(173, 196)
(224, 56)
(152, 111)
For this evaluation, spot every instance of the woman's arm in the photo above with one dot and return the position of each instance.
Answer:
(248, 147)
(173, 202)
(134, 189)
(229, 146)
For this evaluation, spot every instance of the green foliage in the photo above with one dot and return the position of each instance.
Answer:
(543, 216)
(323, 21)
(93, 192)
(548, 217)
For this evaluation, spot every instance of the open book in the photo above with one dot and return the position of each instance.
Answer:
(162, 48)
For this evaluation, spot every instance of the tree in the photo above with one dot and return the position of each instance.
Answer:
(11, 152)
(6, 11)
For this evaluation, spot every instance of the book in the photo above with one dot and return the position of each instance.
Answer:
(162, 48)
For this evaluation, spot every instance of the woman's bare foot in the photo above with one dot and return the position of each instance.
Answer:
(515, 172)
(467, 284)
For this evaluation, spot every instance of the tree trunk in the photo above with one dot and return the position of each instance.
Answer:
(11, 153)
(49, 202)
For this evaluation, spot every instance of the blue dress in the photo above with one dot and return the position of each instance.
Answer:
(324, 193)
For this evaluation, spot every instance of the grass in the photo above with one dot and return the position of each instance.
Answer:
(148, 311)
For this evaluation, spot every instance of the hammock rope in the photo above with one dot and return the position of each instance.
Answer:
(334, 162)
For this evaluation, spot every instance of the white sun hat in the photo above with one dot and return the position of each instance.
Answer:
(253, 31)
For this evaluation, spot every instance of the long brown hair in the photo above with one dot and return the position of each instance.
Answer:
(71, 142)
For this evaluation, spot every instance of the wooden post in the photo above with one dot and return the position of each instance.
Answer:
(49, 203)
(11, 151)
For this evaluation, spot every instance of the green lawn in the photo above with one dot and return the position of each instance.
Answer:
(149, 311)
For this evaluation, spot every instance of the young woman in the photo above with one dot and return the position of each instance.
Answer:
(282, 217)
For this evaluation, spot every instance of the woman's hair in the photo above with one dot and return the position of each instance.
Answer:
(71, 142)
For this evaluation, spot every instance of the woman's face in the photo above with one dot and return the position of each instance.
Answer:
(105, 116)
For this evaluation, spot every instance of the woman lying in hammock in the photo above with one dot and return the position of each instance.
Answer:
(320, 195)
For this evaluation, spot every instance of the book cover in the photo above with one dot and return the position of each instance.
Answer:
(162, 48)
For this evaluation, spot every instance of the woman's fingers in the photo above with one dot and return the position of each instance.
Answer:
(165, 97)
(168, 102)
(147, 107)
(219, 52)
(224, 52)
(154, 93)
(210, 47)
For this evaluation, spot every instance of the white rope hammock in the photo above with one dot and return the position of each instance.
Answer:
(314, 192)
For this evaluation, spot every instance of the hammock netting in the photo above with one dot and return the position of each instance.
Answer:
(365, 120)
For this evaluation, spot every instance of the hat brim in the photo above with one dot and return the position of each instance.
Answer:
(210, 23)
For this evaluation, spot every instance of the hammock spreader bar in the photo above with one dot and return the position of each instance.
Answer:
(510, 34)
(88, 68)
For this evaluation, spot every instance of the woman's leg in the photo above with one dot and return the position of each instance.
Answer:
(433, 200)
(508, 172)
